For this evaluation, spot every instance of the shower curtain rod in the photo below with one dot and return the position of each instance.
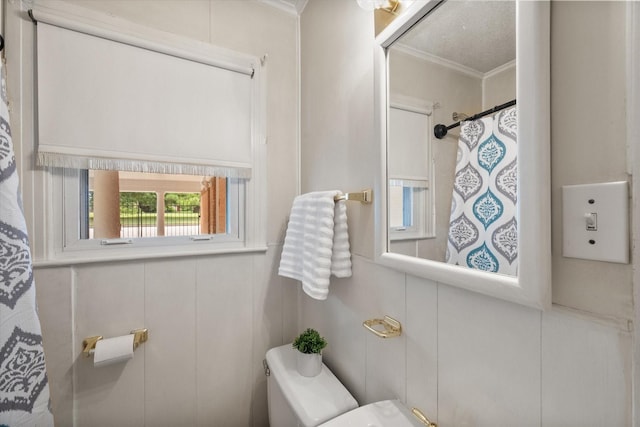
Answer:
(440, 130)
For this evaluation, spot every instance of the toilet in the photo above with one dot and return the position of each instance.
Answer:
(297, 401)
(386, 413)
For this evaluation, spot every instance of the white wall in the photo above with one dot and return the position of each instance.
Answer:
(499, 87)
(210, 318)
(336, 105)
(467, 359)
(588, 86)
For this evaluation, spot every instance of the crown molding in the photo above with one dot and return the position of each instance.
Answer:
(438, 60)
(293, 7)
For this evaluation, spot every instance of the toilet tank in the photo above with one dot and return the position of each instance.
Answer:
(297, 401)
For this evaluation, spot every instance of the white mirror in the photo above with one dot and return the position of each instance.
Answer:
(474, 59)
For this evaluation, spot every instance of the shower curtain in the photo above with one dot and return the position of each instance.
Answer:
(24, 392)
(483, 228)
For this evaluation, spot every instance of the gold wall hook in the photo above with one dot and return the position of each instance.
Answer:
(390, 327)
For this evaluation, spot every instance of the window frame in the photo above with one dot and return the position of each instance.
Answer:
(61, 195)
(65, 227)
(423, 219)
(74, 189)
(423, 210)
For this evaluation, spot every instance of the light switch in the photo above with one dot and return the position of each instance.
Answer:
(595, 221)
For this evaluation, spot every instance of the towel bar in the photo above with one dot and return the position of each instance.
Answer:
(364, 196)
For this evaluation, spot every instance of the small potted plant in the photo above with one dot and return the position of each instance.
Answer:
(309, 356)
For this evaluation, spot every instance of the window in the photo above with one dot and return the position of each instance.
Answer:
(158, 146)
(409, 210)
(137, 205)
(411, 172)
(157, 212)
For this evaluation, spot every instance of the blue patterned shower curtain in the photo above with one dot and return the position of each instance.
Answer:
(24, 392)
(483, 229)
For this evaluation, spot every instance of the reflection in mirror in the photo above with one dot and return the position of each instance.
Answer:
(439, 91)
(454, 199)
(410, 170)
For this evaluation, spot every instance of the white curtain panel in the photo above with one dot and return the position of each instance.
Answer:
(24, 391)
(483, 229)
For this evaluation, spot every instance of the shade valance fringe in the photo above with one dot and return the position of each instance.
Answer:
(84, 162)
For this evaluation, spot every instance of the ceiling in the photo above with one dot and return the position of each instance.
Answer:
(477, 35)
(480, 35)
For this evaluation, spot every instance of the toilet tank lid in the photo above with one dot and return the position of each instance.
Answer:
(386, 413)
(314, 400)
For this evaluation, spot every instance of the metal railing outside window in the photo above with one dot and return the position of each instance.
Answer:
(140, 220)
(181, 219)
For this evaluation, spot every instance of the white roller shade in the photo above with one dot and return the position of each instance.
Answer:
(106, 104)
(408, 145)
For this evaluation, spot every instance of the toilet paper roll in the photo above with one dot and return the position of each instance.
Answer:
(113, 350)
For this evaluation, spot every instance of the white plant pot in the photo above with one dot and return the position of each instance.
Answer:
(309, 365)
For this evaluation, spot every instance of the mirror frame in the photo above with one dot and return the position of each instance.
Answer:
(532, 286)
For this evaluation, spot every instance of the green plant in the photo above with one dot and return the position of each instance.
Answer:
(309, 342)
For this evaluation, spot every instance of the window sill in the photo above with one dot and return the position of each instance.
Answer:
(73, 259)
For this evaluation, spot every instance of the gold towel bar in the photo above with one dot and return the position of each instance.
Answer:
(139, 336)
(364, 196)
(391, 327)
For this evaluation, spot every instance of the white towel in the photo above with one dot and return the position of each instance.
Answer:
(317, 242)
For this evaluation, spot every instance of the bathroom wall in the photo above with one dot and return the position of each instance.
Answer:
(466, 359)
(210, 318)
(588, 117)
(498, 87)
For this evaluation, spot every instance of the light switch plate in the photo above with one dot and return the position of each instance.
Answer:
(595, 221)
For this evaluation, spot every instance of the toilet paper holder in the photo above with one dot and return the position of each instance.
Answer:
(89, 343)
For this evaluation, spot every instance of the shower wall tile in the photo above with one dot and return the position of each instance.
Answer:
(170, 353)
(109, 302)
(53, 295)
(421, 332)
(488, 361)
(224, 333)
(586, 371)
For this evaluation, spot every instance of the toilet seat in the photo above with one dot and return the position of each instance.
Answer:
(386, 413)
